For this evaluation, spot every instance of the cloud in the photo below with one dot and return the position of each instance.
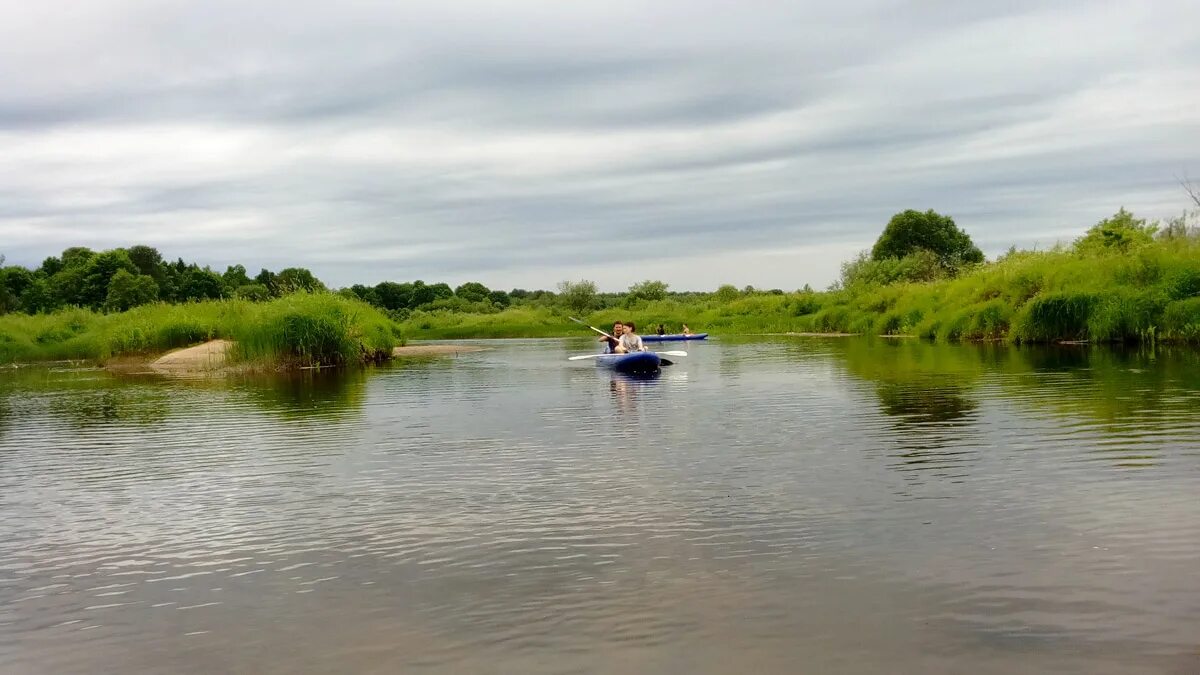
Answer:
(700, 142)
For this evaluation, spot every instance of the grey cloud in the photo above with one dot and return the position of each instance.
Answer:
(474, 141)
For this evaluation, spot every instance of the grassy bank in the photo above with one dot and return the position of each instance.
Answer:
(296, 330)
(1147, 295)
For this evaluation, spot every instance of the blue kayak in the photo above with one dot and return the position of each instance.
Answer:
(674, 337)
(634, 362)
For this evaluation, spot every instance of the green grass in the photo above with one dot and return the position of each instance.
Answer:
(1147, 295)
(296, 330)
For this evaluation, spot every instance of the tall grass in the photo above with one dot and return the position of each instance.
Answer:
(296, 330)
(1146, 295)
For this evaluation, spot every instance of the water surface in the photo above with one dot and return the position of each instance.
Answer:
(771, 506)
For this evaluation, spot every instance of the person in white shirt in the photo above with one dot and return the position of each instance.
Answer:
(630, 341)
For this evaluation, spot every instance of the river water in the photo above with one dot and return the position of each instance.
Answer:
(786, 505)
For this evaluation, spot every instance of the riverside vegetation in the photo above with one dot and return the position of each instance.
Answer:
(1124, 280)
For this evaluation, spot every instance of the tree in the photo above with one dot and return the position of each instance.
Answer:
(200, 284)
(473, 291)
(51, 265)
(394, 296)
(15, 282)
(97, 273)
(76, 255)
(911, 231)
(500, 298)
(1119, 233)
(579, 296)
(727, 293)
(235, 277)
(147, 260)
(267, 278)
(366, 294)
(126, 291)
(253, 292)
(441, 291)
(648, 290)
(293, 279)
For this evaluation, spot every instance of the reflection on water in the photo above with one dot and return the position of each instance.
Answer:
(763, 505)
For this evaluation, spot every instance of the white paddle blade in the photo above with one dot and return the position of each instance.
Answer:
(672, 353)
(582, 357)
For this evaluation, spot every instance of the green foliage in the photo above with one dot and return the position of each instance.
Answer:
(648, 290)
(147, 260)
(254, 292)
(1181, 320)
(1057, 316)
(126, 291)
(300, 329)
(727, 293)
(1119, 233)
(235, 277)
(200, 284)
(473, 291)
(920, 265)
(911, 231)
(296, 279)
(578, 296)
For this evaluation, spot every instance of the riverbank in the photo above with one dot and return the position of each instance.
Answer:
(296, 331)
(214, 358)
(1151, 294)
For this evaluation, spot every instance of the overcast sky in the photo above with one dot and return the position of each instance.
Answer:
(522, 143)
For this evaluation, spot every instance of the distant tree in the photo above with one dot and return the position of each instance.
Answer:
(127, 290)
(421, 295)
(201, 284)
(15, 282)
(147, 260)
(267, 278)
(500, 298)
(648, 290)
(293, 279)
(97, 272)
(366, 294)
(441, 291)
(518, 294)
(473, 291)
(394, 296)
(911, 231)
(1119, 233)
(727, 293)
(51, 265)
(76, 255)
(254, 292)
(235, 277)
(579, 296)
(38, 298)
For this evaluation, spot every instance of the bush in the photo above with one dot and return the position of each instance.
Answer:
(1181, 320)
(1056, 316)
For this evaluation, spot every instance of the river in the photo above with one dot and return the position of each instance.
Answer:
(769, 505)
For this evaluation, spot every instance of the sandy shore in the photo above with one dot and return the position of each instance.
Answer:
(211, 358)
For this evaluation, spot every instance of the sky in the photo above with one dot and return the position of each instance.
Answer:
(525, 143)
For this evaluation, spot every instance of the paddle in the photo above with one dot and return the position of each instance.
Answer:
(593, 356)
(592, 327)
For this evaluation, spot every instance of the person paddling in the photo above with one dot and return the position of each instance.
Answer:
(661, 330)
(611, 343)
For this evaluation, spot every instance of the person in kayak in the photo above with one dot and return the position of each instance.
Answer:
(686, 330)
(661, 330)
(630, 341)
(611, 343)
